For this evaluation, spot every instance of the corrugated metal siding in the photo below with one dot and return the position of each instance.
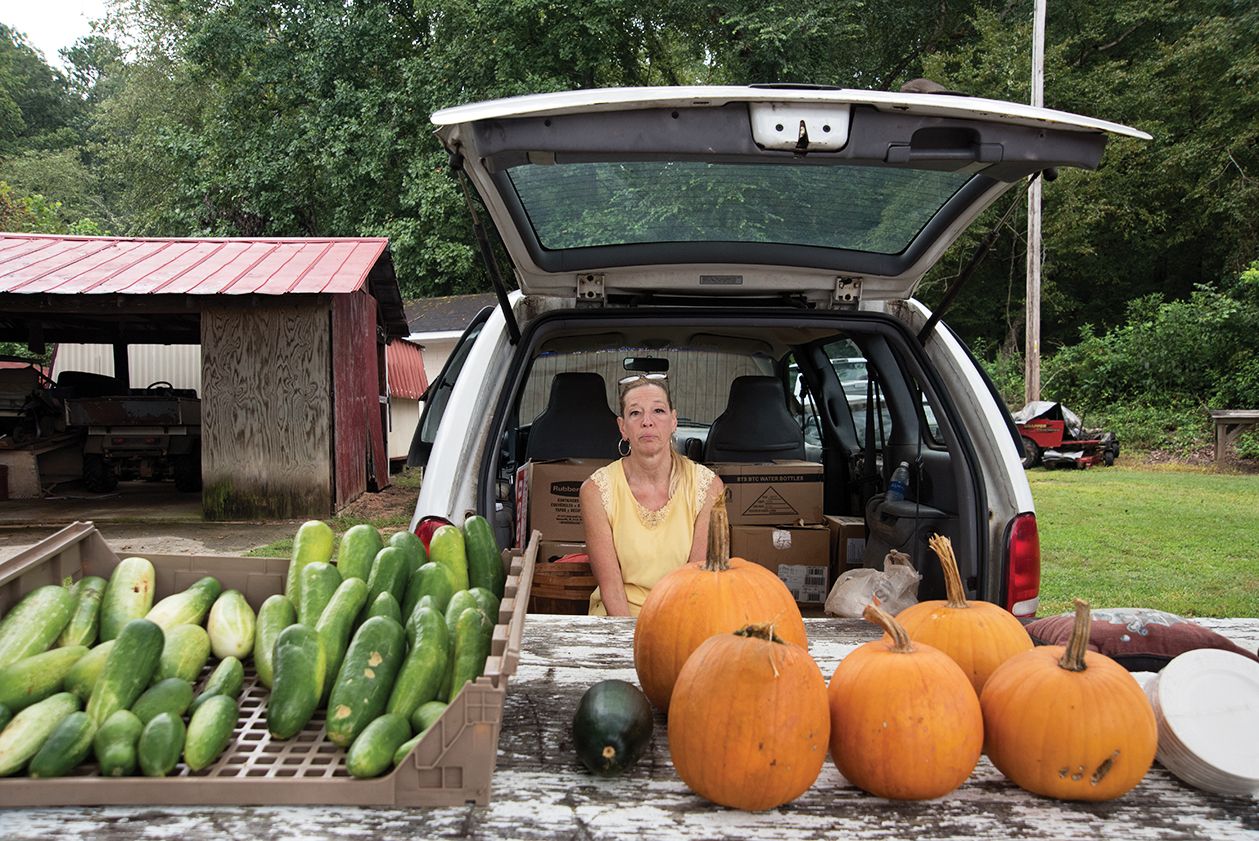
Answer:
(31, 263)
(359, 441)
(699, 381)
(404, 367)
(179, 365)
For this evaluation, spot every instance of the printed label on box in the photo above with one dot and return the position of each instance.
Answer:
(806, 583)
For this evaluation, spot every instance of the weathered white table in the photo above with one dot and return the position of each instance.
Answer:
(542, 792)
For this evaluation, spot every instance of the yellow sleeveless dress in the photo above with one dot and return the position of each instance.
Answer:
(650, 544)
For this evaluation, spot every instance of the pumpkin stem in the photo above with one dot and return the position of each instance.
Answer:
(943, 547)
(760, 632)
(900, 639)
(718, 537)
(1073, 658)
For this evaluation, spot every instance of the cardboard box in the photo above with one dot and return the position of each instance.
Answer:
(848, 543)
(549, 491)
(800, 555)
(780, 493)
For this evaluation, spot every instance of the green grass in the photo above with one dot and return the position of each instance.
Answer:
(1176, 539)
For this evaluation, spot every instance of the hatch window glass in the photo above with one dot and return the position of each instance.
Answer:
(860, 208)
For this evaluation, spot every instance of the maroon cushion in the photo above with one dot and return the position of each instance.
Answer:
(1138, 638)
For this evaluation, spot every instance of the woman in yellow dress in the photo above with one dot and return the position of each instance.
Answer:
(646, 514)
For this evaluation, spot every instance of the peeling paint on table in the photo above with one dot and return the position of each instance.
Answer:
(541, 791)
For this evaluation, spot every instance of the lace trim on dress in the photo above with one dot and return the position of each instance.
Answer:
(650, 518)
(703, 481)
(600, 478)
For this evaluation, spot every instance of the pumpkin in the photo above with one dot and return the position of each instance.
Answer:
(1066, 722)
(748, 722)
(979, 636)
(905, 721)
(691, 603)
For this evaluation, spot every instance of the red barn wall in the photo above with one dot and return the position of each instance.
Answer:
(358, 435)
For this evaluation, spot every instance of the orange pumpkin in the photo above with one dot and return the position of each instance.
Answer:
(694, 602)
(905, 722)
(979, 636)
(1066, 722)
(748, 722)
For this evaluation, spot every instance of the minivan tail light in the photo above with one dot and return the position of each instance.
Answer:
(1023, 553)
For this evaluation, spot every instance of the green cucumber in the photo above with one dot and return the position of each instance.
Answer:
(426, 715)
(612, 727)
(82, 677)
(460, 602)
(187, 608)
(128, 670)
(373, 750)
(6, 715)
(431, 579)
(128, 595)
(161, 743)
(276, 614)
(231, 626)
(417, 555)
(470, 648)
(336, 624)
(312, 544)
(319, 582)
(300, 670)
(85, 623)
(65, 747)
(26, 733)
(184, 654)
(485, 559)
(390, 572)
(385, 605)
(32, 679)
(447, 548)
(34, 624)
(172, 695)
(115, 744)
(420, 679)
(361, 691)
(228, 678)
(487, 601)
(358, 548)
(209, 731)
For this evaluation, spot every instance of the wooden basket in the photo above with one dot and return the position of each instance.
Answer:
(561, 588)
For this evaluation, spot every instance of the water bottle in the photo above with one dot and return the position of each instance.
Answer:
(900, 481)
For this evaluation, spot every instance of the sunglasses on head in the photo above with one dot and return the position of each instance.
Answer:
(634, 377)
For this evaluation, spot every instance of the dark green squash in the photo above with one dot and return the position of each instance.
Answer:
(612, 727)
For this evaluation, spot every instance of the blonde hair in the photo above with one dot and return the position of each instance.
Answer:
(642, 380)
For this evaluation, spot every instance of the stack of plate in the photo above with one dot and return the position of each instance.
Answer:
(1206, 703)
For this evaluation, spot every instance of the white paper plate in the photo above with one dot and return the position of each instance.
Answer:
(1207, 706)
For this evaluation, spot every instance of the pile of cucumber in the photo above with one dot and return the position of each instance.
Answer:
(95, 669)
(383, 636)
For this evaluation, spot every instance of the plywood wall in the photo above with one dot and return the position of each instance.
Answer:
(266, 410)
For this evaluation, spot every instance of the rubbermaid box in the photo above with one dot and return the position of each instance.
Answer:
(450, 766)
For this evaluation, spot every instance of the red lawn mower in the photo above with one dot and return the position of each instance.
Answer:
(1054, 436)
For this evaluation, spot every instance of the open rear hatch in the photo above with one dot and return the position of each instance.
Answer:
(826, 195)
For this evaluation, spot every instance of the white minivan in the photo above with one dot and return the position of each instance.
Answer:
(742, 240)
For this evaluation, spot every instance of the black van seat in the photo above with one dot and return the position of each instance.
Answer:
(577, 422)
(756, 425)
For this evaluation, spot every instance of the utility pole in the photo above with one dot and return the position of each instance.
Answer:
(1031, 351)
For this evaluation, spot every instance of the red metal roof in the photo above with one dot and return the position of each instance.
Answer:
(64, 265)
(404, 366)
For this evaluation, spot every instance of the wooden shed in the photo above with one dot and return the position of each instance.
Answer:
(292, 335)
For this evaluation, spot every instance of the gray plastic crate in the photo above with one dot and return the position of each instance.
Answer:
(451, 765)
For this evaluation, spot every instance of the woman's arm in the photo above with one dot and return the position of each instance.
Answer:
(603, 561)
(699, 544)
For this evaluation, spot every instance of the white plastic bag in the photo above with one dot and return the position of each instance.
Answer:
(895, 587)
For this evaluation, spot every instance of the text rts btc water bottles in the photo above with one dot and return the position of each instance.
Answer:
(900, 481)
